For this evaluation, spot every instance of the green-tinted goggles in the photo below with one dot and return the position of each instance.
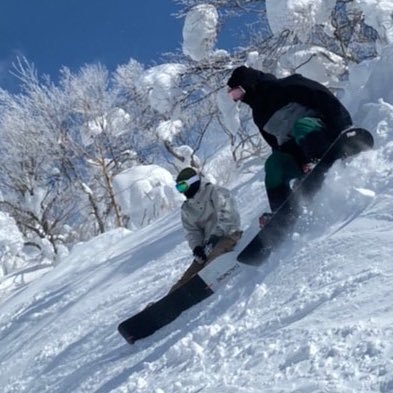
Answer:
(184, 185)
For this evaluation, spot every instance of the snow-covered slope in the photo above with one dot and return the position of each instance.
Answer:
(318, 317)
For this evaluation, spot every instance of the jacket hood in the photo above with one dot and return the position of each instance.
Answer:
(249, 79)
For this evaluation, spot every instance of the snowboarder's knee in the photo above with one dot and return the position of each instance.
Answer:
(280, 169)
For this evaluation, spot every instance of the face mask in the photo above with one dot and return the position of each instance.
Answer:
(237, 93)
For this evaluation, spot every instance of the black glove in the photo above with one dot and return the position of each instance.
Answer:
(199, 254)
(211, 243)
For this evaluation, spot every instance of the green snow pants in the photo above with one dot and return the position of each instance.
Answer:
(281, 168)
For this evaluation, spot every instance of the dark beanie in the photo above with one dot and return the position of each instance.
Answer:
(248, 78)
(185, 174)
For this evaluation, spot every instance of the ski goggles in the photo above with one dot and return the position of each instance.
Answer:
(236, 93)
(184, 185)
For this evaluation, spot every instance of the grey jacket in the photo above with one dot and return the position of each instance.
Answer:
(282, 121)
(212, 211)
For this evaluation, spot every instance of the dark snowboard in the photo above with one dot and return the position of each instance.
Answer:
(347, 144)
(168, 308)
(165, 310)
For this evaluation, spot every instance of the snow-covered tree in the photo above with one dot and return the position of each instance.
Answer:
(68, 148)
(96, 143)
(31, 183)
(319, 39)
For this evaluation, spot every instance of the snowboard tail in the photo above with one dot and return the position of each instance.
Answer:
(168, 308)
(165, 310)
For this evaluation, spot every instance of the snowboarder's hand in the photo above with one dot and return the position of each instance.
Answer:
(211, 243)
(264, 219)
(199, 254)
(308, 167)
(213, 240)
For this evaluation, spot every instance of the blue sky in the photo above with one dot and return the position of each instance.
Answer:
(52, 33)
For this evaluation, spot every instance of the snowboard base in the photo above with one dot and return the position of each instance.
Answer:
(169, 307)
(164, 310)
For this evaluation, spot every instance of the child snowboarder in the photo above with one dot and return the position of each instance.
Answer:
(210, 219)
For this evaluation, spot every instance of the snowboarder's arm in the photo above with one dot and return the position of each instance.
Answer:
(228, 219)
(194, 234)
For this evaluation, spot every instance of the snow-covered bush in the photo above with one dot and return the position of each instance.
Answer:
(298, 16)
(162, 84)
(378, 14)
(145, 193)
(313, 62)
(200, 31)
(367, 83)
(11, 244)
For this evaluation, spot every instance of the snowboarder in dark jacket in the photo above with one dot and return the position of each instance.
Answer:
(298, 117)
